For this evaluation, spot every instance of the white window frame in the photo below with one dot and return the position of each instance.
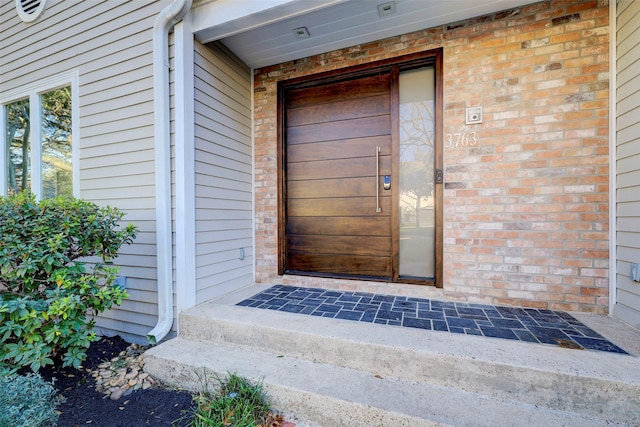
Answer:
(33, 92)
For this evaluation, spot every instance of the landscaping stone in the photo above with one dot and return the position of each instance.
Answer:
(123, 373)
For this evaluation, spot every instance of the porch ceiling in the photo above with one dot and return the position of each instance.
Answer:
(260, 31)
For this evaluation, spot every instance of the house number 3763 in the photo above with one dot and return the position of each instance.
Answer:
(460, 139)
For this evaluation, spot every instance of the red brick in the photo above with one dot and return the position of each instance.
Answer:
(541, 158)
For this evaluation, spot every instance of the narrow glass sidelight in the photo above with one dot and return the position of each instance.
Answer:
(56, 140)
(17, 149)
(416, 173)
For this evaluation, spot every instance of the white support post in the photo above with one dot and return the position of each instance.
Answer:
(185, 166)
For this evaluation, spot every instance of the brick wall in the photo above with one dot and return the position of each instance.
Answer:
(526, 206)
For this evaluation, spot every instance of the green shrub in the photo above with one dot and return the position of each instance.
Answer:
(27, 401)
(236, 402)
(46, 292)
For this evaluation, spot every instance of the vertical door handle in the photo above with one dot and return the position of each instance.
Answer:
(378, 179)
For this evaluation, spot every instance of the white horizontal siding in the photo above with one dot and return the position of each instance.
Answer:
(78, 35)
(628, 160)
(223, 173)
(110, 44)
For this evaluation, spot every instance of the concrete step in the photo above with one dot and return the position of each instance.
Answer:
(317, 394)
(309, 362)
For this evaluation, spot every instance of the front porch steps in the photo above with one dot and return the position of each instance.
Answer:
(331, 372)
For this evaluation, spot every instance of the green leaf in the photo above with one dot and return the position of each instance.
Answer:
(46, 292)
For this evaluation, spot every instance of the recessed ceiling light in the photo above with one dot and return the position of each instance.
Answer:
(301, 33)
(386, 9)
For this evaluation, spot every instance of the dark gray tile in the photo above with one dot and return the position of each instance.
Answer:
(389, 315)
(526, 320)
(366, 307)
(330, 308)
(246, 303)
(450, 312)
(599, 344)
(299, 294)
(525, 335)
(491, 312)
(349, 298)
(471, 313)
(509, 312)
(499, 333)
(548, 335)
(292, 308)
(346, 305)
(412, 322)
(405, 305)
(307, 310)
(440, 325)
(277, 302)
(336, 294)
(312, 302)
(442, 305)
(349, 315)
(425, 314)
(530, 325)
(368, 316)
(424, 306)
(385, 306)
(587, 332)
(461, 323)
(257, 304)
(507, 323)
(381, 298)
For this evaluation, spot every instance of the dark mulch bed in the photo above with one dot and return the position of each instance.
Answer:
(85, 406)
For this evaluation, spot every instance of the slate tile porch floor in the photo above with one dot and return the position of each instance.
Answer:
(523, 324)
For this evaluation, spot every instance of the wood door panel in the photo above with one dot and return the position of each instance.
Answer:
(354, 245)
(340, 226)
(340, 149)
(326, 188)
(356, 128)
(339, 168)
(357, 206)
(332, 131)
(344, 110)
(339, 91)
(340, 264)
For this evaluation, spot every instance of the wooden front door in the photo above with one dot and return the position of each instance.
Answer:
(359, 161)
(338, 150)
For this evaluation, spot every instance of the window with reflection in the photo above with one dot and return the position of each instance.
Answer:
(52, 130)
(17, 153)
(56, 154)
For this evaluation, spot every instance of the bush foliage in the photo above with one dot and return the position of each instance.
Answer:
(27, 401)
(47, 288)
